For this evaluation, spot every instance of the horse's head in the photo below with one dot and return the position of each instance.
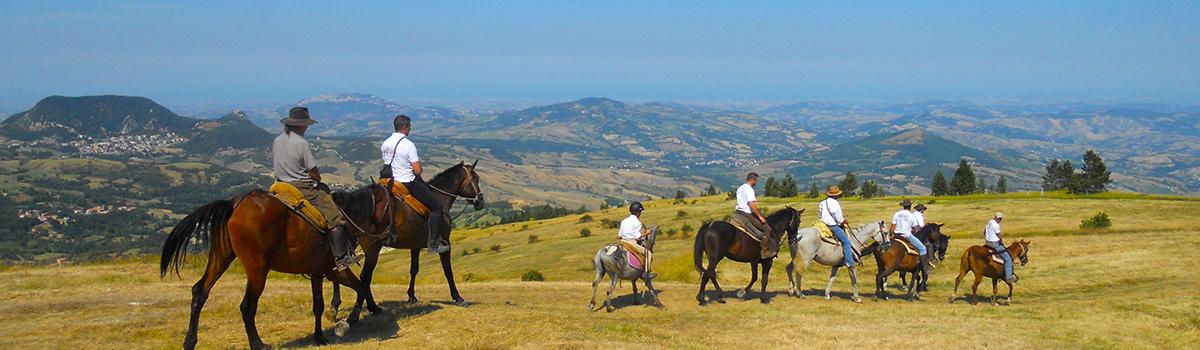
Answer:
(786, 220)
(1024, 255)
(461, 181)
(367, 208)
(939, 240)
(649, 240)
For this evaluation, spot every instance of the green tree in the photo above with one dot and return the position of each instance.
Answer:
(813, 192)
(982, 186)
(1059, 174)
(939, 186)
(788, 187)
(679, 196)
(849, 183)
(870, 189)
(711, 191)
(1095, 177)
(964, 179)
(770, 190)
(1001, 185)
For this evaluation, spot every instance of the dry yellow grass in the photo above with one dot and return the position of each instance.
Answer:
(1127, 288)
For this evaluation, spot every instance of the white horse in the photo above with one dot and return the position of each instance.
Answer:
(610, 261)
(807, 246)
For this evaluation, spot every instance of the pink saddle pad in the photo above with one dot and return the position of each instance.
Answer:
(633, 260)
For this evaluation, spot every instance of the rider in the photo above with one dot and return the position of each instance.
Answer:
(994, 240)
(919, 215)
(400, 152)
(903, 222)
(632, 233)
(294, 163)
(831, 215)
(747, 208)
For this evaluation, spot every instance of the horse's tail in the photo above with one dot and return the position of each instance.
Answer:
(965, 263)
(698, 251)
(211, 217)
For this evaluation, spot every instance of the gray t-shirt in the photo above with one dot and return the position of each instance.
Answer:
(292, 158)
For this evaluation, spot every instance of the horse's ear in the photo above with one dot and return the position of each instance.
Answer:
(460, 162)
(801, 211)
(475, 163)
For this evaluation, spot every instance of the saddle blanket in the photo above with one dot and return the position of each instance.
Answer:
(908, 247)
(995, 257)
(826, 233)
(632, 258)
(400, 191)
(291, 196)
(739, 222)
(631, 254)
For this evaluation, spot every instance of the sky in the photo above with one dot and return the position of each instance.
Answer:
(237, 52)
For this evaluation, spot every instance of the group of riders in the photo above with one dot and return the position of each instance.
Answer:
(294, 163)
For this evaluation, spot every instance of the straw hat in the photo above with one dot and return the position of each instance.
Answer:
(833, 191)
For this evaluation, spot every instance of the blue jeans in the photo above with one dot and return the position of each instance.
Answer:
(847, 249)
(916, 243)
(1008, 263)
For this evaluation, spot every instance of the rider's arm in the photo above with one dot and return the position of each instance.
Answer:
(315, 174)
(416, 168)
(754, 209)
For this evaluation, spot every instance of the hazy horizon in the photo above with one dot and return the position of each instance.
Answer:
(232, 54)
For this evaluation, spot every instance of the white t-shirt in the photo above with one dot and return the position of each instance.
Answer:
(831, 212)
(631, 228)
(745, 195)
(904, 222)
(404, 152)
(920, 218)
(991, 232)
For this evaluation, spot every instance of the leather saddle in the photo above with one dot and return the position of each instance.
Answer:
(401, 192)
(907, 247)
(995, 255)
(291, 197)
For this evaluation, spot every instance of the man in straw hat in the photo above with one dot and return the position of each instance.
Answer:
(903, 223)
(831, 215)
(294, 163)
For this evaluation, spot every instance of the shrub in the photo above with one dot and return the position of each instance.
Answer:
(476, 250)
(585, 219)
(671, 232)
(495, 248)
(1098, 222)
(466, 252)
(533, 239)
(610, 223)
(524, 227)
(686, 228)
(532, 276)
(470, 277)
(681, 214)
(585, 232)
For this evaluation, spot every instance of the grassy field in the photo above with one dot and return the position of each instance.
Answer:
(1121, 288)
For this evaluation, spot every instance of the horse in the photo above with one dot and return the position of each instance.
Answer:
(264, 234)
(618, 268)
(808, 246)
(409, 231)
(937, 242)
(721, 239)
(978, 260)
(890, 258)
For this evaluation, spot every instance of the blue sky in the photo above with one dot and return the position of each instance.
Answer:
(234, 52)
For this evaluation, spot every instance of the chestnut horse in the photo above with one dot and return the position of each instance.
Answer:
(891, 257)
(721, 239)
(264, 234)
(978, 260)
(409, 231)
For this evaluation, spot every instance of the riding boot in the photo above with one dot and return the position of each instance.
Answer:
(436, 244)
(338, 242)
(925, 265)
(646, 274)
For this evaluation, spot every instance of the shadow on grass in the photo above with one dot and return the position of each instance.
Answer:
(626, 300)
(381, 326)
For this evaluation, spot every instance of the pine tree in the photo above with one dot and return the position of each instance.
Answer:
(769, 189)
(789, 188)
(870, 189)
(679, 195)
(981, 187)
(813, 192)
(1095, 177)
(939, 186)
(849, 184)
(712, 190)
(964, 179)
(1050, 179)
(1001, 185)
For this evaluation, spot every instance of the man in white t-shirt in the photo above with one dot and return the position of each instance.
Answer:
(747, 208)
(919, 214)
(903, 223)
(632, 232)
(832, 216)
(400, 152)
(994, 239)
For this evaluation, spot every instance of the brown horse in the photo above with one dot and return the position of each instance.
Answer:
(721, 240)
(892, 257)
(978, 260)
(408, 231)
(264, 234)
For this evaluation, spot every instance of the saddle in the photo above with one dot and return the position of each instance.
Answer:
(741, 224)
(826, 233)
(401, 192)
(995, 255)
(291, 197)
(635, 259)
(907, 247)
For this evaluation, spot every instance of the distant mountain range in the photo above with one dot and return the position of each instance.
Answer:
(350, 114)
(69, 117)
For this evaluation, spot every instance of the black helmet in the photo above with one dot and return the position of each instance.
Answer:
(636, 208)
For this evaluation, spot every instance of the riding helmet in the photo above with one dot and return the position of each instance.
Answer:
(636, 208)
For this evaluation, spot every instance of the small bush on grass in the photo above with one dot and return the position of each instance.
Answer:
(585, 219)
(532, 276)
(681, 214)
(1098, 222)
(533, 239)
(495, 248)
(585, 232)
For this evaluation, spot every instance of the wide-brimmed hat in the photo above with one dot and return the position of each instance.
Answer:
(298, 116)
(833, 191)
(906, 203)
(920, 207)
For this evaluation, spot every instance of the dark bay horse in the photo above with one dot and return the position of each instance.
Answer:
(720, 240)
(264, 234)
(937, 242)
(978, 260)
(408, 232)
(892, 257)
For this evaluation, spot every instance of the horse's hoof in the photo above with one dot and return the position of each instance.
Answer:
(765, 301)
(591, 307)
(340, 328)
(461, 302)
(741, 293)
(609, 309)
(857, 300)
(375, 309)
(412, 300)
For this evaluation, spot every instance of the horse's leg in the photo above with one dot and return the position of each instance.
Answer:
(912, 288)
(413, 268)
(608, 305)
(854, 284)
(975, 286)
(995, 290)
(1010, 288)
(637, 298)
(336, 303)
(791, 269)
(596, 283)
(216, 267)
(347, 278)
(762, 295)
(712, 271)
(256, 280)
(653, 297)
(961, 273)
(703, 283)
(318, 282)
(368, 274)
(745, 293)
(903, 279)
(832, 275)
(449, 272)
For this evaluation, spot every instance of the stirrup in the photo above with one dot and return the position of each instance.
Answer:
(346, 261)
(440, 247)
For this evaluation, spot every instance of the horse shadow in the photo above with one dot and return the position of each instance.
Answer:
(381, 326)
(626, 300)
(751, 296)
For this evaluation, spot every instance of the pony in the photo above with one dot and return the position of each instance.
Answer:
(807, 246)
(616, 267)
(978, 260)
(719, 240)
(265, 234)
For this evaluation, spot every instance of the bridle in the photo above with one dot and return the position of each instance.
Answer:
(467, 182)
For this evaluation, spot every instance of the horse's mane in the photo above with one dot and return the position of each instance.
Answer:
(357, 204)
(445, 175)
(780, 213)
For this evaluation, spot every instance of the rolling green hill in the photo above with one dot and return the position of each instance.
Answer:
(97, 116)
(231, 131)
